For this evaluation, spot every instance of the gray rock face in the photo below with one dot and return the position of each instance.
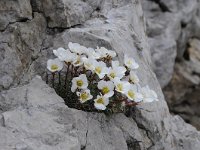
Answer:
(34, 123)
(34, 117)
(20, 44)
(66, 13)
(170, 24)
(171, 27)
(182, 93)
(14, 10)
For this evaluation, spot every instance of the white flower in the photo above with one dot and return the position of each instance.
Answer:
(91, 53)
(106, 88)
(65, 55)
(94, 55)
(100, 69)
(130, 62)
(77, 48)
(80, 82)
(61, 53)
(78, 61)
(148, 95)
(133, 77)
(84, 95)
(54, 65)
(133, 95)
(89, 63)
(115, 64)
(121, 86)
(112, 53)
(103, 52)
(72, 57)
(101, 102)
(116, 72)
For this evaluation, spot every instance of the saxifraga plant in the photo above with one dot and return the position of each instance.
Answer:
(91, 80)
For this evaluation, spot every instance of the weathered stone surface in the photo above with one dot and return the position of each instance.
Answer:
(33, 117)
(170, 24)
(66, 13)
(163, 56)
(20, 43)
(33, 122)
(182, 93)
(14, 10)
(163, 30)
(107, 31)
(36, 118)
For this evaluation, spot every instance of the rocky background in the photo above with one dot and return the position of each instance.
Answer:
(173, 29)
(161, 35)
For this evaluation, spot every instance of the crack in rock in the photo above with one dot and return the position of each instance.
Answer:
(17, 21)
(162, 6)
(83, 147)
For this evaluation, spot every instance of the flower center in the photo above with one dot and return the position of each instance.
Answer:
(100, 101)
(88, 65)
(131, 94)
(84, 96)
(54, 67)
(79, 83)
(132, 78)
(105, 90)
(98, 70)
(78, 61)
(129, 62)
(112, 75)
(120, 87)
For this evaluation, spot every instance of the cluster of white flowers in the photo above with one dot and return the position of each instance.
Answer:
(96, 69)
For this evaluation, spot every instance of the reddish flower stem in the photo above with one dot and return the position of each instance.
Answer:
(47, 78)
(59, 76)
(53, 78)
(76, 71)
(72, 70)
(131, 103)
(68, 65)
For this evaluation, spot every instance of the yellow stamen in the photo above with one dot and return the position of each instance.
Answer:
(98, 70)
(100, 101)
(54, 67)
(88, 65)
(112, 75)
(78, 61)
(131, 94)
(105, 90)
(129, 62)
(79, 83)
(120, 87)
(84, 96)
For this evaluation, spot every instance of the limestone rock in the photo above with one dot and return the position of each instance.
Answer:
(163, 55)
(30, 125)
(41, 120)
(20, 43)
(66, 13)
(170, 24)
(13, 11)
(182, 93)
(33, 116)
